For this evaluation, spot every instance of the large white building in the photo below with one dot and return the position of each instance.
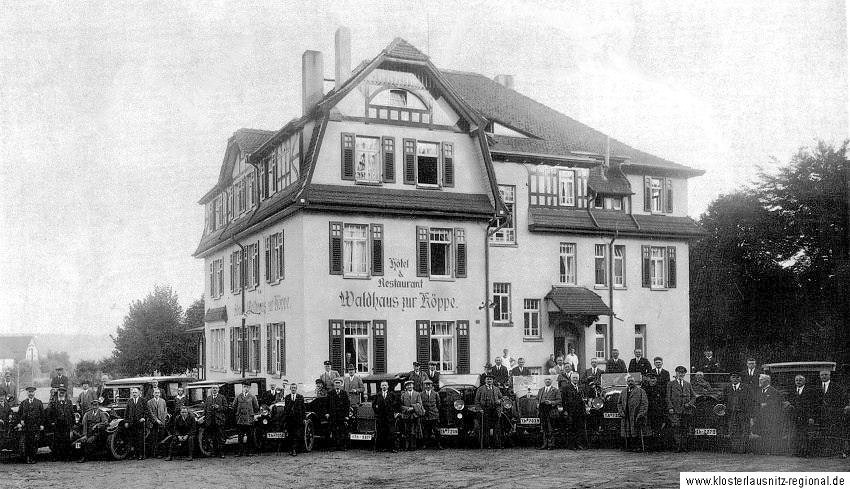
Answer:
(418, 214)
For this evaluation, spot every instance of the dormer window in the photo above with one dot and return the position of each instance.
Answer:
(397, 104)
(397, 98)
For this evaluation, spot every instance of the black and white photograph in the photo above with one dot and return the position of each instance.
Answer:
(481, 244)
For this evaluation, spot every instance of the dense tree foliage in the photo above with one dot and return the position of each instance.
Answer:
(771, 278)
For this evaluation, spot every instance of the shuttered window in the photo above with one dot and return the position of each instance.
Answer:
(448, 165)
(463, 347)
(441, 252)
(355, 250)
(276, 348)
(658, 266)
(335, 344)
(657, 194)
(460, 253)
(335, 248)
(388, 147)
(410, 161)
(347, 159)
(671, 267)
(377, 248)
(423, 341)
(379, 332)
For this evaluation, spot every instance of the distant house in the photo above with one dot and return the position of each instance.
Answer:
(14, 349)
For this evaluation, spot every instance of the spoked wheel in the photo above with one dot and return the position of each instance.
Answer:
(205, 443)
(119, 445)
(309, 435)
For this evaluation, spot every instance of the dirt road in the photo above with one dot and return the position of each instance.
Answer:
(520, 467)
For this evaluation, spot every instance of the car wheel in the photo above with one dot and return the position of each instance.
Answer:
(119, 446)
(205, 443)
(309, 435)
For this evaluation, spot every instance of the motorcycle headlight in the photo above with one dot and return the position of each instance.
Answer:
(459, 405)
(597, 403)
(459, 415)
(507, 404)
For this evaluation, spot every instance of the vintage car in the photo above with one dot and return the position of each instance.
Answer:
(460, 418)
(197, 392)
(362, 421)
(116, 394)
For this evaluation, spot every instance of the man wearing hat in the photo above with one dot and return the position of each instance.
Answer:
(61, 380)
(339, 406)
(353, 386)
(95, 422)
(31, 423)
(411, 410)
(245, 406)
(329, 375)
(708, 364)
(215, 416)
(549, 398)
(738, 402)
(60, 415)
(433, 374)
(680, 404)
(488, 368)
(8, 389)
(86, 396)
(417, 376)
(431, 418)
(656, 413)
(488, 398)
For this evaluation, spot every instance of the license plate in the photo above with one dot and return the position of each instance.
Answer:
(77, 445)
(448, 431)
(273, 435)
(360, 436)
(611, 415)
(529, 420)
(705, 432)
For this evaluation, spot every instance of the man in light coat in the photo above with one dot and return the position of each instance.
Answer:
(353, 386)
(411, 410)
(87, 395)
(632, 406)
(245, 406)
(328, 376)
(157, 420)
(680, 404)
(431, 418)
(548, 398)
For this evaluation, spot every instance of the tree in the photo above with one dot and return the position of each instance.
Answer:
(195, 315)
(86, 370)
(151, 337)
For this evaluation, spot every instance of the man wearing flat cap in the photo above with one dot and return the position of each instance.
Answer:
(329, 375)
(680, 404)
(94, 423)
(433, 374)
(431, 418)
(31, 423)
(339, 406)
(60, 415)
(85, 398)
(417, 376)
(61, 380)
(215, 416)
(738, 400)
(245, 406)
(488, 397)
(411, 410)
(353, 386)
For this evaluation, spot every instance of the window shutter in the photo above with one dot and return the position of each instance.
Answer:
(463, 347)
(460, 253)
(379, 341)
(335, 247)
(410, 161)
(389, 159)
(646, 264)
(280, 243)
(269, 350)
(335, 344)
(448, 165)
(423, 342)
(267, 254)
(647, 194)
(671, 267)
(422, 252)
(281, 354)
(377, 246)
(257, 263)
(347, 162)
(668, 194)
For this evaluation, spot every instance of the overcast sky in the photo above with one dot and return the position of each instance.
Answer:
(114, 119)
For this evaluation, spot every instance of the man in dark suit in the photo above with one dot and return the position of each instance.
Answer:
(338, 411)
(417, 376)
(661, 374)
(680, 404)
(573, 404)
(8, 389)
(59, 381)
(293, 412)
(215, 416)
(60, 415)
(737, 398)
(31, 423)
(708, 364)
(387, 409)
(615, 364)
(805, 403)
(501, 376)
(833, 400)
(768, 423)
(184, 428)
(520, 370)
(592, 377)
(94, 424)
(434, 375)
(548, 398)
(135, 415)
(639, 364)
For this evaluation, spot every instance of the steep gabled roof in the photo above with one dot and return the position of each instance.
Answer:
(246, 141)
(553, 132)
(249, 140)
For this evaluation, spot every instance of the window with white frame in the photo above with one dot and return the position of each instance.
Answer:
(440, 252)
(657, 271)
(502, 302)
(367, 159)
(254, 350)
(531, 318)
(656, 188)
(252, 265)
(442, 345)
(216, 278)
(427, 164)
(356, 345)
(236, 271)
(217, 349)
(276, 348)
(274, 257)
(619, 265)
(355, 250)
(506, 225)
(236, 349)
(600, 265)
(640, 337)
(601, 341)
(567, 264)
(566, 187)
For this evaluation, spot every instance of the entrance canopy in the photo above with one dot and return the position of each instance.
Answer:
(215, 314)
(577, 301)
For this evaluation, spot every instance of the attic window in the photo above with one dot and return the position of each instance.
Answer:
(397, 104)
(398, 98)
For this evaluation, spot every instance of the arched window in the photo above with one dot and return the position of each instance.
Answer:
(398, 104)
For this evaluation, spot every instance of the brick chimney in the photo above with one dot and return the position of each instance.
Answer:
(342, 61)
(312, 80)
(506, 81)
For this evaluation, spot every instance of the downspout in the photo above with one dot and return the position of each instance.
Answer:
(611, 289)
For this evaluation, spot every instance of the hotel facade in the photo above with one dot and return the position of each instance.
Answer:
(413, 213)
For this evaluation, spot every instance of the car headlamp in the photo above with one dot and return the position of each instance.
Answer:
(507, 404)
(597, 403)
(459, 404)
